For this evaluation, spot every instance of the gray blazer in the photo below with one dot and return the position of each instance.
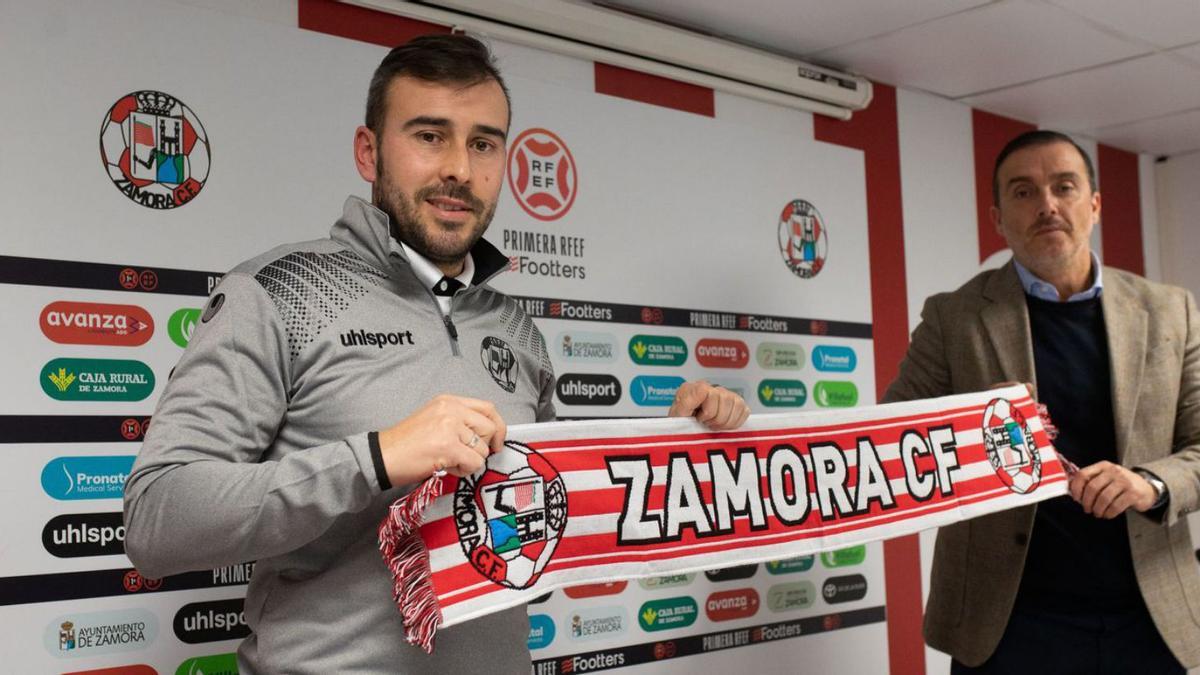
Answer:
(978, 336)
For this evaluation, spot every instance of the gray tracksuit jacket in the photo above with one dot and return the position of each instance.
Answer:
(264, 447)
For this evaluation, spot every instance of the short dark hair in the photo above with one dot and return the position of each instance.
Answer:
(452, 58)
(1031, 139)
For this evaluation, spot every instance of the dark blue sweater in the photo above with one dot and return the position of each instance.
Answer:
(1076, 562)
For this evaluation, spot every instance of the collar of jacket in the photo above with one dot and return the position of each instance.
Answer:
(365, 229)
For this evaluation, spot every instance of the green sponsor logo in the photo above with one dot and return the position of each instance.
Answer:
(835, 394)
(96, 380)
(803, 563)
(657, 350)
(844, 557)
(668, 581)
(782, 393)
(217, 664)
(668, 613)
(779, 356)
(791, 597)
(181, 324)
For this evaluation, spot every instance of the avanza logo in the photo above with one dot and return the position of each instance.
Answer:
(714, 353)
(93, 323)
(729, 605)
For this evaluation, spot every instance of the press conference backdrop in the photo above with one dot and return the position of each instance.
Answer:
(657, 236)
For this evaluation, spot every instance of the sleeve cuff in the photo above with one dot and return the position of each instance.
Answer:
(377, 460)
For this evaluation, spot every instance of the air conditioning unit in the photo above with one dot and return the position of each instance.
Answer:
(600, 34)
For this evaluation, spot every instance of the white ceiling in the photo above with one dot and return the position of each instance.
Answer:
(1124, 72)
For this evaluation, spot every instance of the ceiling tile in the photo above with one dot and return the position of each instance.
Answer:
(1149, 86)
(1163, 23)
(998, 45)
(1170, 135)
(798, 27)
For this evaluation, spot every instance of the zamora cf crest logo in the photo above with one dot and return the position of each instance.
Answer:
(511, 516)
(154, 149)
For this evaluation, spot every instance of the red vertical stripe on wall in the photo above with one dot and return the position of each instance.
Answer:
(1121, 210)
(359, 23)
(875, 131)
(991, 132)
(654, 90)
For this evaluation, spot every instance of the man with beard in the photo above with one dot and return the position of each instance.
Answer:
(326, 379)
(1103, 580)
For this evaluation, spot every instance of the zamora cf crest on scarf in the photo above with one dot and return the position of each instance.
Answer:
(569, 503)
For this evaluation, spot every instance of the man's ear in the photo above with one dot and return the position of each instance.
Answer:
(994, 212)
(366, 151)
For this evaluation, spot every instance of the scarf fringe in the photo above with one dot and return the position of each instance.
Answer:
(407, 559)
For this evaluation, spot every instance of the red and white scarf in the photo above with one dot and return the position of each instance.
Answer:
(569, 503)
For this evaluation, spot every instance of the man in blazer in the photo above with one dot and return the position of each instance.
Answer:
(1105, 579)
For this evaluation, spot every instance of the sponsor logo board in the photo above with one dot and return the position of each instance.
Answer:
(844, 557)
(93, 323)
(779, 356)
(588, 389)
(730, 605)
(78, 535)
(668, 613)
(792, 596)
(782, 393)
(802, 563)
(67, 379)
(586, 347)
(181, 324)
(834, 359)
(654, 390)
(212, 621)
(844, 589)
(594, 623)
(720, 353)
(82, 634)
(829, 394)
(101, 477)
(658, 350)
(541, 631)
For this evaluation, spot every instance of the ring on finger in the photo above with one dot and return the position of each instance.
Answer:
(474, 440)
(438, 470)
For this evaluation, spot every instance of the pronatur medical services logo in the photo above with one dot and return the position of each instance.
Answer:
(654, 390)
(100, 477)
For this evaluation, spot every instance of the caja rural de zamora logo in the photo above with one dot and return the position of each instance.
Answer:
(155, 150)
(803, 240)
(542, 174)
(1011, 448)
(511, 517)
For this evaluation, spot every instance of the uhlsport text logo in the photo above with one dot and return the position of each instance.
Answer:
(77, 535)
